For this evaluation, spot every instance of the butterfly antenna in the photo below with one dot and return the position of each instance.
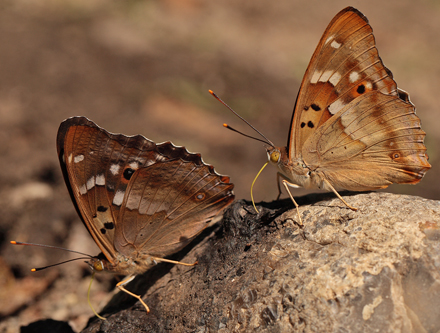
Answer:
(51, 247)
(267, 141)
(88, 256)
(60, 263)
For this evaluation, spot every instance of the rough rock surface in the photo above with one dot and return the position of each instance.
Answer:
(374, 270)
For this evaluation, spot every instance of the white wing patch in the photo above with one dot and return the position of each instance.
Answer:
(82, 190)
(336, 106)
(78, 158)
(100, 180)
(354, 76)
(335, 45)
(328, 39)
(326, 76)
(119, 198)
(335, 78)
(315, 77)
(90, 183)
(134, 165)
(114, 169)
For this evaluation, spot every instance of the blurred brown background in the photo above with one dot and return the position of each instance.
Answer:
(145, 67)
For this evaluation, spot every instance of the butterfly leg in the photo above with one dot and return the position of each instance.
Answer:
(174, 262)
(286, 185)
(280, 175)
(338, 195)
(121, 284)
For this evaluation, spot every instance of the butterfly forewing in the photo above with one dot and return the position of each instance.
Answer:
(167, 205)
(97, 165)
(110, 176)
(345, 65)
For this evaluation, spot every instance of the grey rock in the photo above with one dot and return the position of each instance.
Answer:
(373, 270)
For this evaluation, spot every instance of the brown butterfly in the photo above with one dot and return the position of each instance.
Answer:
(140, 201)
(351, 127)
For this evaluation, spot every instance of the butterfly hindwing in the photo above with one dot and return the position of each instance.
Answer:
(369, 144)
(167, 205)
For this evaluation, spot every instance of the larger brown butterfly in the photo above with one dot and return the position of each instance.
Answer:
(351, 128)
(140, 201)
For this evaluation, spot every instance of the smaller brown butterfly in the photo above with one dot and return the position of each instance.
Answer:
(351, 127)
(140, 201)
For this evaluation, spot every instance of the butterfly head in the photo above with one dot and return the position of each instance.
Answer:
(274, 155)
(96, 264)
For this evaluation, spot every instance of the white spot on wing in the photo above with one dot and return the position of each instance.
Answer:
(326, 75)
(328, 39)
(369, 85)
(69, 159)
(315, 77)
(90, 183)
(149, 162)
(335, 78)
(114, 169)
(335, 45)
(119, 197)
(82, 190)
(78, 158)
(336, 106)
(354, 76)
(100, 180)
(134, 165)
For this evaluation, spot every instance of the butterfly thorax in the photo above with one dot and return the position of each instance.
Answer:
(295, 169)
(122, 265)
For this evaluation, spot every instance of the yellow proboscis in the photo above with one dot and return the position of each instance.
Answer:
(252, 186)
(88, 299)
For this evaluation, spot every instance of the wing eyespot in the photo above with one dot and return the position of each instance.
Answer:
(200, 196)
(128, 172)
(360, 89)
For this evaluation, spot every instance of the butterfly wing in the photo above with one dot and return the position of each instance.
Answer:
(371, 143)
(345, 65)
(97, 167)
(167, 205)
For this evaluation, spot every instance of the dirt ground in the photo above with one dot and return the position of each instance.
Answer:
(145, 67)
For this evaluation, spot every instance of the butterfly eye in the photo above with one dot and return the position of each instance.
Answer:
(275, 156)
(98, 266)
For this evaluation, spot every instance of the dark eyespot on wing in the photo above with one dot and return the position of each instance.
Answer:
(360, 89)
(109, 225)
(303, 124)
(315, 107)
(102, 209)
(310, 124)
(128, 173)
(103, 231)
